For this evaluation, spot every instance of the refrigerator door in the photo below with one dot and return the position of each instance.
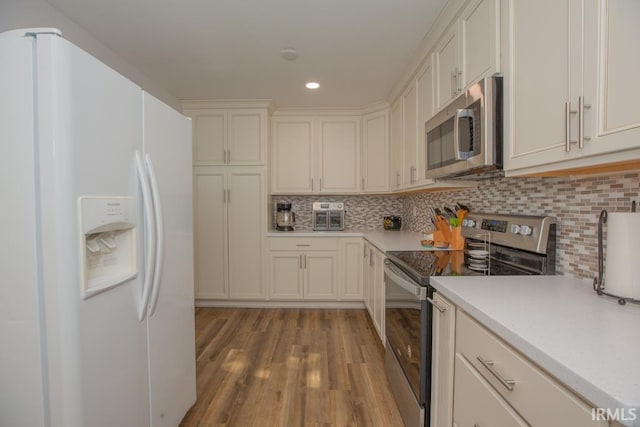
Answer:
(22, 401)
(170, 316)
(89, 126)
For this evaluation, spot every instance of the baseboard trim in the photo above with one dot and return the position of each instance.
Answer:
(279, 304)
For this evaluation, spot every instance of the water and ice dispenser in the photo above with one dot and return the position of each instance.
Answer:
(108, 242)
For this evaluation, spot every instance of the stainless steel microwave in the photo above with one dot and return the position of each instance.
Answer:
(465, 138)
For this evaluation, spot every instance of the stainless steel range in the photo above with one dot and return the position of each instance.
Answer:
(495, 245)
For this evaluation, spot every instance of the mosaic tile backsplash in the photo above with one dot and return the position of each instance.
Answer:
(575, 201)
(362, 212)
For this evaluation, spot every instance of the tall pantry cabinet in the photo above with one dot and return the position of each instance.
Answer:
(230, 198)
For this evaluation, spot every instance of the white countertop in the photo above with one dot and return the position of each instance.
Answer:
(385, 240)
(310, 233)
(589, 342)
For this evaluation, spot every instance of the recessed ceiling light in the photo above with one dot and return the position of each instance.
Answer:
(312, 85)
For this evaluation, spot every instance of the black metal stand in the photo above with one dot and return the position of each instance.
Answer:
(598, 281)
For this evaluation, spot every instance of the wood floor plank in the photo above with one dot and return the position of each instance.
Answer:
(289, 367)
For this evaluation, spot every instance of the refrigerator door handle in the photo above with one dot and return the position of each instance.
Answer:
(159, 223)
(150, 234)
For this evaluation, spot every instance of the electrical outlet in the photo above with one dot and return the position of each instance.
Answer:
(415, 211)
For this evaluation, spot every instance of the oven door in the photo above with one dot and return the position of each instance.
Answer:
(336, 220)
(408, 332)
(321, 220)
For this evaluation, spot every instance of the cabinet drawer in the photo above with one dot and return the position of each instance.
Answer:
(535, 395)
(303, 244)
(477, 403)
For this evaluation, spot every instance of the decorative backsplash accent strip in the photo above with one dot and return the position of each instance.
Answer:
(575, 201)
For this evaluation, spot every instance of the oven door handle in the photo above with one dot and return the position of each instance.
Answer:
(405, 283)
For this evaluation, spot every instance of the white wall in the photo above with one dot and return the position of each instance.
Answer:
(38, 13)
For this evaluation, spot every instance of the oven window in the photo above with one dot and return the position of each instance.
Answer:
(321, 219)
(404, 329)
(440, 146)
(335, 220)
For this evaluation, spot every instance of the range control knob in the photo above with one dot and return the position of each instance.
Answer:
(515, 228)
(525, 230)
(468, 222)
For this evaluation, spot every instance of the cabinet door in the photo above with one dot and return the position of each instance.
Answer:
(291, 156)
(377, 270)
(397, 145)
(339, 155)
(285, 275)
(247, 136)
(426, 99)
(350, 280)
(246, 204)
(209, 136)
(443, 347)
(476, 403)
(479, 41)
(409, 122)
(616, 69)
(446, 63)
(367, 279)
(537, 80)
(375, 152)
(210, 234)
(320, 275)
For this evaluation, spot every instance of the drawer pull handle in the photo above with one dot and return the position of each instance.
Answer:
(436, 306)
(303, 245)
(509, 384)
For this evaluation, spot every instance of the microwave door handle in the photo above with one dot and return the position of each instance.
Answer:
(461, 112)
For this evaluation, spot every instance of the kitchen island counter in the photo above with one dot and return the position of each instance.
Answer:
(588, 342)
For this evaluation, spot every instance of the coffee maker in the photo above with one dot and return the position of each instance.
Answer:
(285, 218)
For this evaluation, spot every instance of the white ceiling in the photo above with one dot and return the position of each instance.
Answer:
(230, 49)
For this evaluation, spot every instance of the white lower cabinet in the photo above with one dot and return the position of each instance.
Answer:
(374, 286)
(229, 228)
(350, 269)
(443, 348)
(477, 403)
(303, 268)
(493, 383)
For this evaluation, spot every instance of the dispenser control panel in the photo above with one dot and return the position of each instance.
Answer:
(107, 242)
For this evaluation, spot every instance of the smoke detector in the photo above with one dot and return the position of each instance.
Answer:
(289, 53)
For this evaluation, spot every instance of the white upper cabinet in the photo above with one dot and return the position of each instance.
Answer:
(409, 125)
(315, 155)
(397, 144)
(542, 73)
(227, 136)
(375, 152)
(292, 155)
(479, 27)
(610, 79)
(447, 71)
(425, 108)
(468, 50)
(569, 88)
(339, 155)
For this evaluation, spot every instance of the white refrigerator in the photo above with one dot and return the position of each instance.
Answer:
(96, 252)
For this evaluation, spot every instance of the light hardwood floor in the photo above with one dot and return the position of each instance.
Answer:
(289, 367)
